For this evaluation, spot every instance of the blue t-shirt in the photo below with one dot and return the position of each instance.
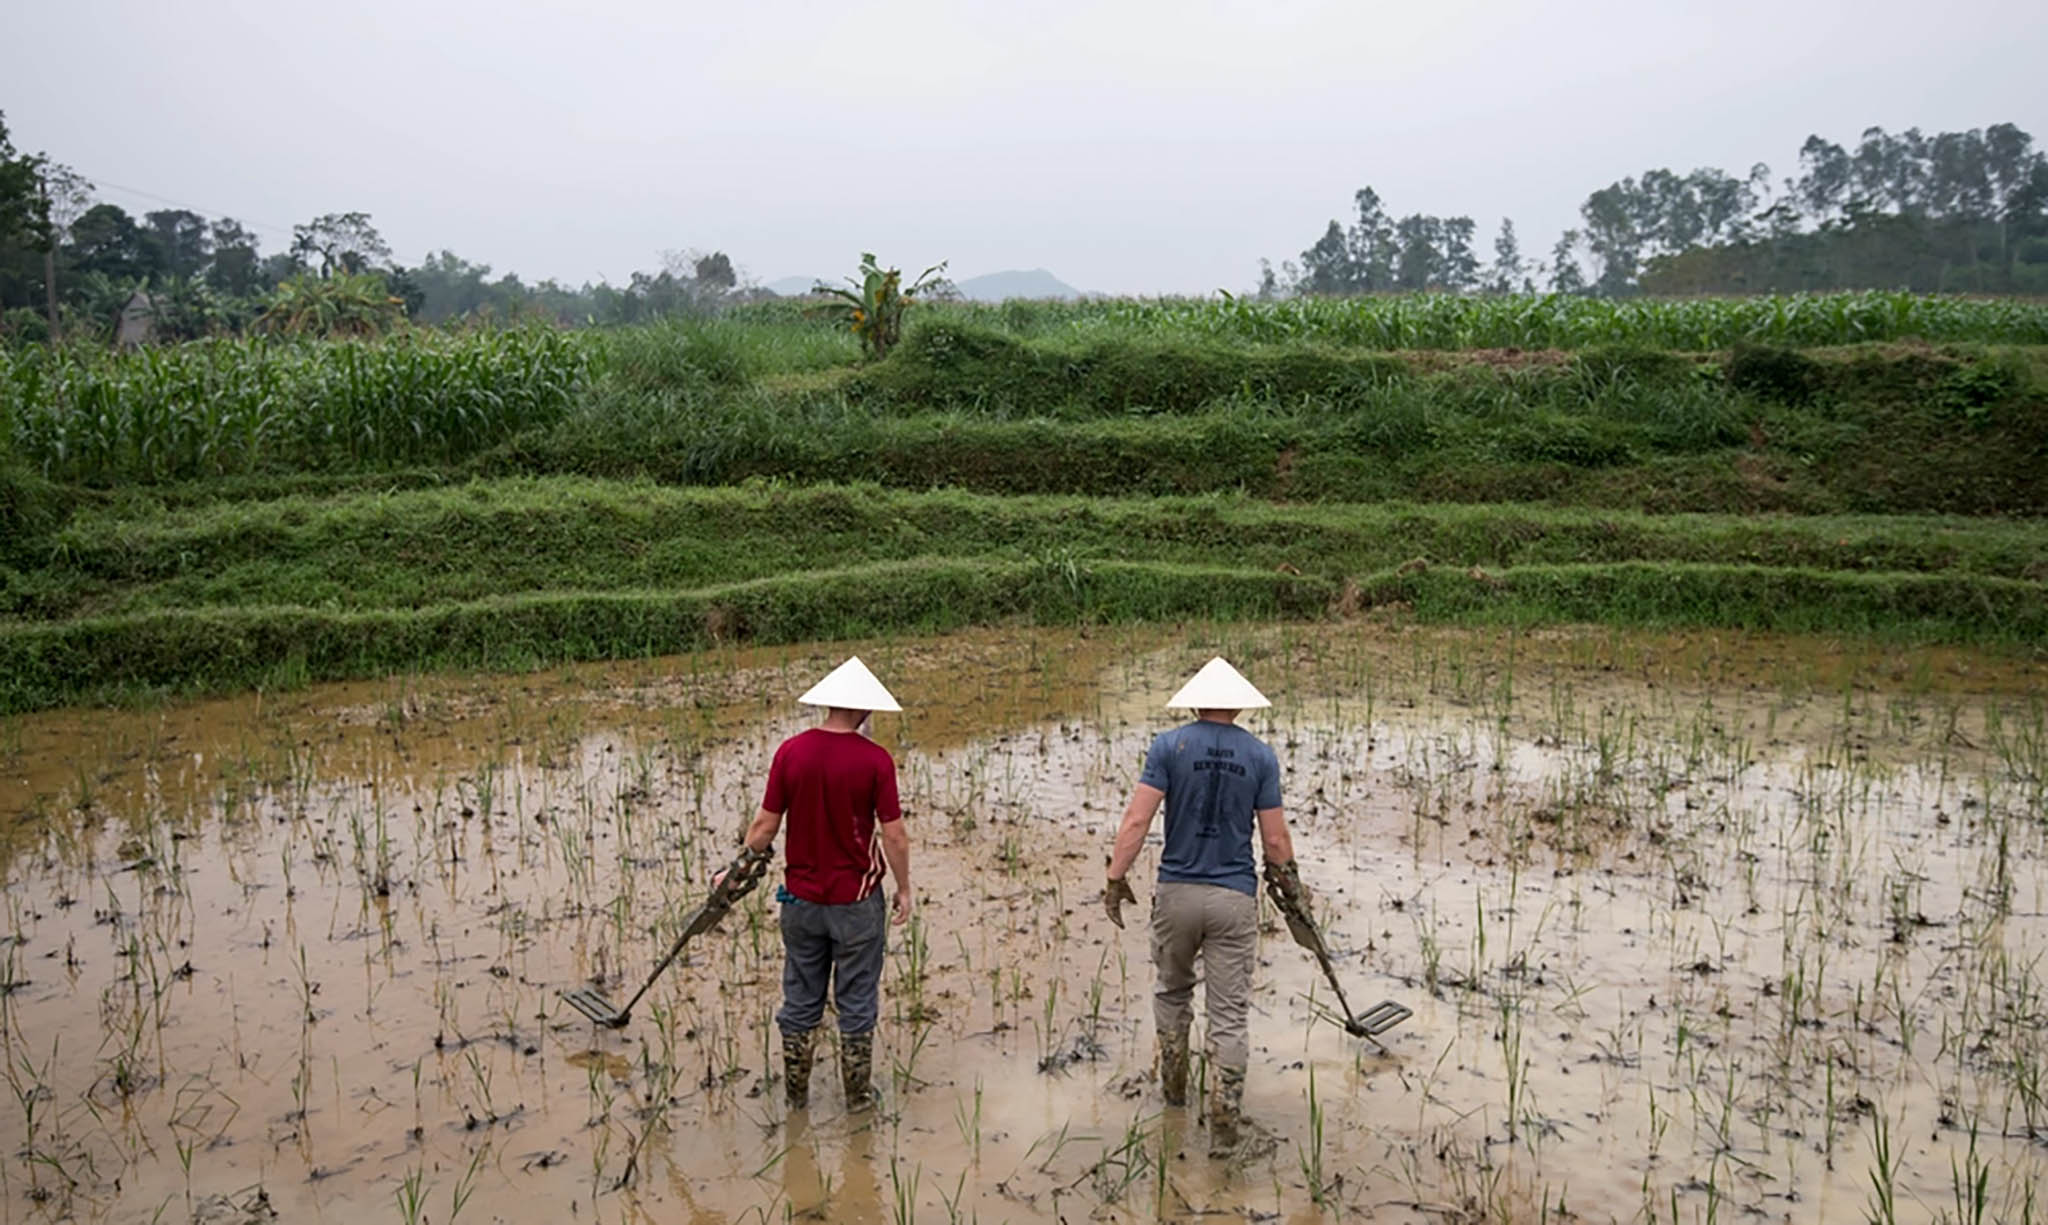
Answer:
(1216, 777)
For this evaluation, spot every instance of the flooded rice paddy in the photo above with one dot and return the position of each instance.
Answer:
(1695, 928)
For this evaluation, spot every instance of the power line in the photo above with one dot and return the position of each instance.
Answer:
(97, 182)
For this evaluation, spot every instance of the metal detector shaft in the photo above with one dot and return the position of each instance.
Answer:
(733, 884)
(1377, 1019)
(1308, 936)
(1322, 956)
(675, 950)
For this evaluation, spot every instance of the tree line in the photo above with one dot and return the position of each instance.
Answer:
(1952, 212)
(69, 264)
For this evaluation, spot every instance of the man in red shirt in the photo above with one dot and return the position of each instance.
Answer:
(838, 791)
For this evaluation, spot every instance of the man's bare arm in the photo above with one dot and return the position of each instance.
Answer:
(761, 834)
(896, 853)
(1273, 836)
(1130, 836)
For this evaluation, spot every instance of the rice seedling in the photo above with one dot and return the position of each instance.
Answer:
(1310, 1153)
(903, 1191)
(1736, 1029)
(969, 1122)
(1882, 1207)
(951, 1203)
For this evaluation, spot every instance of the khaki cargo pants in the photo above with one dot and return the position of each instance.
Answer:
(1222, 926)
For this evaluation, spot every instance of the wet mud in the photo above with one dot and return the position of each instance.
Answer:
(1694, 927)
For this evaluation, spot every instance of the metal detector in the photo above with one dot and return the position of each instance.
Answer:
(735, 883)
(1369, 1024)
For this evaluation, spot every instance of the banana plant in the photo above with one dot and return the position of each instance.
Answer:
(342, 305)
(873, 308)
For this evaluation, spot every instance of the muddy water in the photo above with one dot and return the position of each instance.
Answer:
(1692, 927)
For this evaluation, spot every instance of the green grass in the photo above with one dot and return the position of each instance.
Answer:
(229, 513)
(184, 651)
(688, 353)
(518, 572)
(1902, 608)
(1614, 428)
(412, 548)
(1102, 412)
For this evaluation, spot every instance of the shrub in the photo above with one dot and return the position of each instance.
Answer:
(1768, 372)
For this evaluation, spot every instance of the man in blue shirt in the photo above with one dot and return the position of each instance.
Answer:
(1218, 782)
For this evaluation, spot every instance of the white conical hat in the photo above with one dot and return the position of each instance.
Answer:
(1218, 686)
(850, 687)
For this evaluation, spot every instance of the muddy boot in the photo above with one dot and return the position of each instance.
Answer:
(796, 1067)
(857, 1069)
(1173, 1067)
(1226, 1113)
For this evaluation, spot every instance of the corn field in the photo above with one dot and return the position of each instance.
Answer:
(234, 406)
(222, 407)
(1551, 321)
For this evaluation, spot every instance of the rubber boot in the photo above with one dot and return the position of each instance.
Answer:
(796, 1067)
(1173, 1067)
(1226, 1113)
(857, 1069)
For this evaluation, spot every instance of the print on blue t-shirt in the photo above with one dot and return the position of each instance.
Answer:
(1216, 777)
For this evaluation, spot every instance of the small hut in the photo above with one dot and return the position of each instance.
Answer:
(137, 323)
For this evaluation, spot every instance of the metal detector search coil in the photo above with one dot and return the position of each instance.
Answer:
(733, 884)
(1369, 1024)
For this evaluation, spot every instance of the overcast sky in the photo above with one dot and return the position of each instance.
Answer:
(1127, 147)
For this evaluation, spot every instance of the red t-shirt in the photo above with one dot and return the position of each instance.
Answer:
(833, 787)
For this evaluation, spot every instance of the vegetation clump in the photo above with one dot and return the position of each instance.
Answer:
(874, 308)
(1774, 373)
(180, 516)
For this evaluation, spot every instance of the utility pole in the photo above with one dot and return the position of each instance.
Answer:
(65, 193)
(50, 283)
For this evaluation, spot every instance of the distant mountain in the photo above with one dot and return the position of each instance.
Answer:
(993, 287)
(996, 286)
(791, 286)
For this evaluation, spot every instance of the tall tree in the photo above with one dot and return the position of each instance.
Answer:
(1327, 268)
(106, 241)
(179, 236)
(65, 196)
(342, 242)
(1565, 274)
(236, 268)
(1612, 236)
(451, 287)
(1460, 272)
(716, 271)
(1508, 269)
(1825, 180)
(1890, 171)
(21, 215)
(2013, 166)
(2010, 160)
(1373, 246)
(1421, 259)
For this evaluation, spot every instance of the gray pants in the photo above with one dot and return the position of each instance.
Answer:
(1222, 925)
(839, 947)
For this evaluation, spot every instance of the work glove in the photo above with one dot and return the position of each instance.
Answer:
(1114, 895)
(1293, 898)
(745, 872)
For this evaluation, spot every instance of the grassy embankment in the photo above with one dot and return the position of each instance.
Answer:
(229, 514)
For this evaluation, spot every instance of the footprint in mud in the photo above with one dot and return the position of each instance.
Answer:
(252, 1208)
(1083, 1048)
(615, 1065)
